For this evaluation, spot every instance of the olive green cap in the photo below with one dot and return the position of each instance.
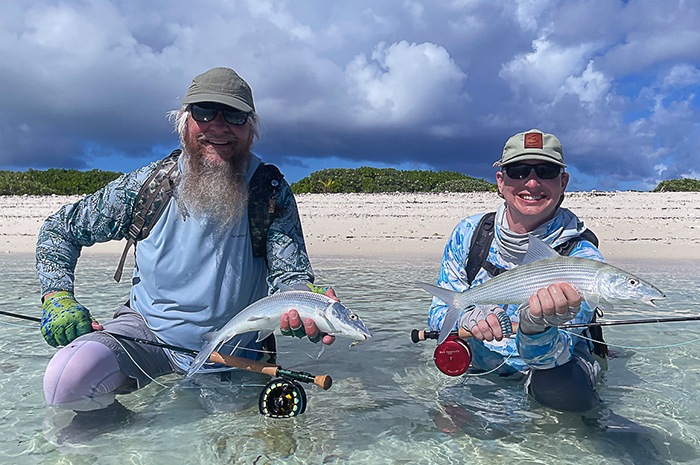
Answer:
(221, 85)
(532, 145)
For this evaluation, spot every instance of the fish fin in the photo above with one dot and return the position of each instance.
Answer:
(604, 306)
(262, 334)
(446, 295)
(209, 336)
(201, 358)
(320, 352)
(449, 297)
(593, 301)
(537, 250)
(448, 323)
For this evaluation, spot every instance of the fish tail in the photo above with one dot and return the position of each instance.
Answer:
(453, 300)
(451, 317)
(201, 357)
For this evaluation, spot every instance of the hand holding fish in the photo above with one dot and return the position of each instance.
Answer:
(482, 321)
(553, 305)
(290, 325)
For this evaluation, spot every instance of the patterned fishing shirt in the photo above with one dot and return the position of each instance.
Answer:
(188, 278)
(549, 349)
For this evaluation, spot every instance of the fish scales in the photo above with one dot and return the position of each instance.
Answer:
(518, 284)
(264, 316)
(600, 284)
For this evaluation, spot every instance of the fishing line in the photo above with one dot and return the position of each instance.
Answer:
(669, 346)
(132, 358)
(474, 375)
(17, 325)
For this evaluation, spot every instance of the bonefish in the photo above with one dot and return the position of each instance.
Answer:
(264, 315)
(600, 284)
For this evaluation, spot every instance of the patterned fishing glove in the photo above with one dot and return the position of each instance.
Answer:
(530, 324)
(64, 319)
(471, 318)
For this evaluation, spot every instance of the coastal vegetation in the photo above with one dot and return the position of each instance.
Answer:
(678, 185)
(373, 180)
(54, 181)
(333, 180)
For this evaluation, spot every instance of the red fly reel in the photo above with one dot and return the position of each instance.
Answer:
(453, 356)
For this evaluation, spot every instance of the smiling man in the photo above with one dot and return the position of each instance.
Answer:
(559, 370)
(227, 235)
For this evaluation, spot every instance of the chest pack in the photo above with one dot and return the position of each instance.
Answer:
(478, 259)
(158, 189)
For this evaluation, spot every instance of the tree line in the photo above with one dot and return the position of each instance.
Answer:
(60, 181)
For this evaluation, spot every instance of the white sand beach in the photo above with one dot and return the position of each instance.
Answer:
(629, 224)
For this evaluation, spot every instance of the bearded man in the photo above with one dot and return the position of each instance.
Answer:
(193, 272)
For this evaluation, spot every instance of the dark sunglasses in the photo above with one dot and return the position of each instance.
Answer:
(522, 170)
(205, 112)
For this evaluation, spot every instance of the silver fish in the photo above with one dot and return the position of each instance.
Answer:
(600, 284)
(264, 316)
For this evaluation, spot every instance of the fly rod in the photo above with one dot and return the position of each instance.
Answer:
(322, 381)
(417, 336)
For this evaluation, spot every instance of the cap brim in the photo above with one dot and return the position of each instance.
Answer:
(530, 156)
(233, 102)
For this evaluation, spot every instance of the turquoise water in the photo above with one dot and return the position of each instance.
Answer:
(388, 403)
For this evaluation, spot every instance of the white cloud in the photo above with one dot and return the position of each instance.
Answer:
(405, 83)
(543, 71)
(590, 87)
(458, 77)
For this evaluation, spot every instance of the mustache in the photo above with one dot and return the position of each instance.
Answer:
(224, 137)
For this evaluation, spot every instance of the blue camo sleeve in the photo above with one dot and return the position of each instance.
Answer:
(452, 272)
(287, 259)
(554, 347)
(99, 217)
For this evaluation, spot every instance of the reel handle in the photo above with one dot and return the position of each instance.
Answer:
(322, 381)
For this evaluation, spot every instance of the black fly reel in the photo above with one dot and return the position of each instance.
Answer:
(282, 398)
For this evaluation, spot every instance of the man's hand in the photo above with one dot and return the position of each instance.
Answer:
(550, 306)
(290, 325)
(290, 322)
(482, 322)
(64, 319)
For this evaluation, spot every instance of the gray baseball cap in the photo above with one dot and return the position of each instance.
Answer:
(221, 85)
(532, 145)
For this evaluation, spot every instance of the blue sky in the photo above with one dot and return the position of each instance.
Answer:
(407, 84)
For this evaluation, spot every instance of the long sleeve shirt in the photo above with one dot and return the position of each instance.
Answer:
(546, 350)
(188, 278)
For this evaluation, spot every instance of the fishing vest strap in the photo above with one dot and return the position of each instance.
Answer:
(155, 194)
(158, 190)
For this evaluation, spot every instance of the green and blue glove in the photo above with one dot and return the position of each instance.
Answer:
(64, 319)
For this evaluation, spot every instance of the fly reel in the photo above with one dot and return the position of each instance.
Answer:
(453, 356)
(282, 398)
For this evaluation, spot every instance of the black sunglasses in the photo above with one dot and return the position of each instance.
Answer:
(205, 112)
(522, 170)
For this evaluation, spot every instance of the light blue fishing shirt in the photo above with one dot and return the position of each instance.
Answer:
(546, 350)
(188, 278)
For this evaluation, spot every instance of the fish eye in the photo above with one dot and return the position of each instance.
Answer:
(632, 282)
(353, 316)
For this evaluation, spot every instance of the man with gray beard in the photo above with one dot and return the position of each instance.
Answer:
(193, 272)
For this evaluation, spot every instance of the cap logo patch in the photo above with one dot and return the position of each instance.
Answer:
(533, 140)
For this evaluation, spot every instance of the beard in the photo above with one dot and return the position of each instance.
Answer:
(215, 192)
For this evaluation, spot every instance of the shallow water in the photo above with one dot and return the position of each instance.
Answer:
(388, 403)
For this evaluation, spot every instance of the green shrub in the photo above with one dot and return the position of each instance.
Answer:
(678, 185)
(54, 181)
(370, 180)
